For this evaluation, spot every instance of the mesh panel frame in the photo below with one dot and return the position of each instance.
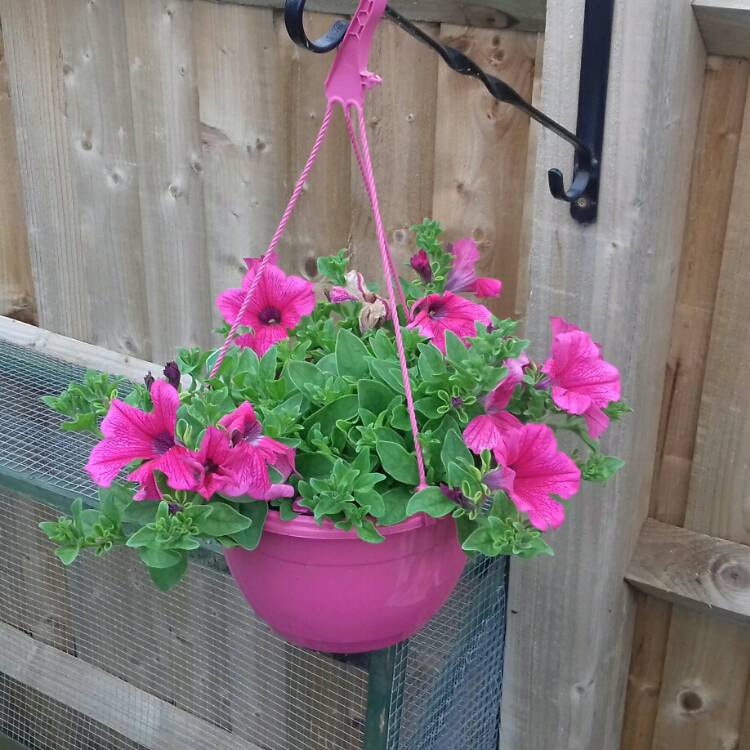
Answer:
(196, 662)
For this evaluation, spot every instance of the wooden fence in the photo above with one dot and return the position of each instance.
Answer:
(156, 143)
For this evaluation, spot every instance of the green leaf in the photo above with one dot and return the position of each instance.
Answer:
(368, 533)
(267, 365)
(159, 557)
(397, 462)
(114, 501)
(221, 520)
(455, 351)
(432, 502)
(481, 540)
(351, 354)
(454, 450)
(342, 408)
(396, 501)
(388, 373)
(372, 500)
(143, 537)
(68, 554)
(286, 511)
(303, 374)
(140, 512)
(429, 406)
(430, 362)
(314, 465)
(374, 396)
(250, 538)
(382, 345)
(600, 468)
(328, 364)
(167, 578)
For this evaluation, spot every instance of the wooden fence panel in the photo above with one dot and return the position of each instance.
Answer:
(570, 622)
(711, 190)
(478, 172)
(16, 285)
(706, 671)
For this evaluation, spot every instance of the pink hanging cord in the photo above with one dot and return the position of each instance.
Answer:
(391, 279)
(266, 259)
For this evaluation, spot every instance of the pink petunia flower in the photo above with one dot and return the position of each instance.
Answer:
(435, 314)
(373, 311)
(257, 452)
(531, 470)
(278, 305)
(582, 382)
(134, 435)
(486, 431)
(463, 275)
(218, 466)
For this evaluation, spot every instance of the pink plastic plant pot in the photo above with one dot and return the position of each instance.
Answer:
(326, 590)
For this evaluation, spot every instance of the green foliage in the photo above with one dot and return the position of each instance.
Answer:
(86, 403)
(337, 396)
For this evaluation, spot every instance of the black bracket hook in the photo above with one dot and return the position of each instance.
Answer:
(583, 193)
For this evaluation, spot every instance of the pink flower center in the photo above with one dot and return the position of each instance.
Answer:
(210, 467)
(162, 443)
(271, 316)
(437, 310)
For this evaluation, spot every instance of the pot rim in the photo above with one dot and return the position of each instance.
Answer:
(305, 527)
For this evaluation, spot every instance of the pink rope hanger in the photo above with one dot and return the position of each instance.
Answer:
(347, 85)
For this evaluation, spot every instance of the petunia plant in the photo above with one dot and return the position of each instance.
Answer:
(307, 415)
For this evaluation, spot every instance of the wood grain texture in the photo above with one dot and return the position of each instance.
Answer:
(71, 350)
(725, 25)
(566, 673)
(400, 118)
(244, 144)
(710, 196)
(523, 15)
(104, 163)
(166, 126)
(321, 224)
(480, 169)
(16, 284)
(693, 570)
(102, 696)
(715, 665)
(31, 30)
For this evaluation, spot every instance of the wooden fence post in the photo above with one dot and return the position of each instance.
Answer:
(570, 617)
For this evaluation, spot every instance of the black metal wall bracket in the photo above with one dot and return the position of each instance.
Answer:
(583, 193)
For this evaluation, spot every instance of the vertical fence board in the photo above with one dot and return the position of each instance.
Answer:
(401, 128)
(243, 133)
(165, 115)
(16, 285)
(99, 122)
(710, 196)
(570, 618)
(708, 662)
(480, 167)
(321, 223)
(31, 33)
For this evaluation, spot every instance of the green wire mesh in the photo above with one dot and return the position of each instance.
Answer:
(94, 658)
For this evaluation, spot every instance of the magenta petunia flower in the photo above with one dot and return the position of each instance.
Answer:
(218, 466)
(532, 470)
(463, 275)
(437, 313)
(582, 382)
(420, 262)
(278, 305)
(133, 435)
(257, 452)
(486, 431)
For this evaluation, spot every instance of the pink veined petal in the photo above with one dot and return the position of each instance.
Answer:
(253, 263)
(541, 471)
(570, 401)
(242, 418)
(252, 471)
(560, 325)
(107, 459)
(229, 303)
(596, 421)
(149, 489)
(278, 455)
(484, 287)
(547, 514)
(462, 275)
(263, 339)
(181, 468)
(296, 297)
(133, 427)
(278, 491)
(166, 402)
(482, 433)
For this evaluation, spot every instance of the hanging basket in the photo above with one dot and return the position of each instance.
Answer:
(327, 590)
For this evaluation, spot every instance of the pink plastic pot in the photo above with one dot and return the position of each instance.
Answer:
(325, 589)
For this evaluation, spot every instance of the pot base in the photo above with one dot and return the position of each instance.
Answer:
(327, 590)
